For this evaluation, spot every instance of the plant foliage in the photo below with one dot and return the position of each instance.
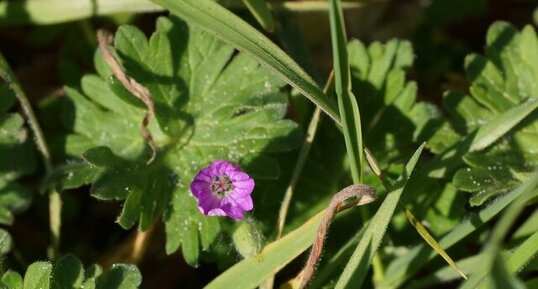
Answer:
(210, 104)
(69, 272)
(507, 76)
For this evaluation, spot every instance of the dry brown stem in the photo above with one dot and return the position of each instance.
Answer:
(359, 195)
(132, 86)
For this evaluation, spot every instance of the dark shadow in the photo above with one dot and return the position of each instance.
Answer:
(287, 31)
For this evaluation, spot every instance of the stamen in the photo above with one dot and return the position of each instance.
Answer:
(221, 186)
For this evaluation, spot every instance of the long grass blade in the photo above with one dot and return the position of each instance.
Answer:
(359, 263)
(42, 12)
(422, 231)
(483, 137)
(498, 126)
(270, 260)
(347, 103)
(404, 267)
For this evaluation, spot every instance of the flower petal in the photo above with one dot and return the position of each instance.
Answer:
(200, 188)
(216, 212)
(244, 187)
(208, 203)
(239, 200)
(235, 203)
(238, 175)
(233, 211)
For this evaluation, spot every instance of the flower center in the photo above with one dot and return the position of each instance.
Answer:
(221, 186)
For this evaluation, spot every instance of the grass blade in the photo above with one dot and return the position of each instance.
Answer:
(492, 248)
(446, 162)
(54, 11)
(422, 231)
(222, 23)
(347, 103)
(404, 267)
(270, 260)
(359, 263)
(501, 124)
(523, 254)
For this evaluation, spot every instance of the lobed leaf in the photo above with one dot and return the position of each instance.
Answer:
(210, 104)
(223, 24)
(16, 155)
(393, 119)
(405, 266)
(500, 116)
(68, 273)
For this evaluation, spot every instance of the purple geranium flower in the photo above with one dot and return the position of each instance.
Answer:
(222, 189)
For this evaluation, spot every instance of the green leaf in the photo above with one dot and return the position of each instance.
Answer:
(220, 22)
(68, 273)
(12, 280)
(270, 260)
(70, 176)
(430, 240)
(499, 126)
(16, 155)
(492, 264)
(210, 104)
(120, 276)
(500, 116)
(515, 261)
(7, 98)
(91, 276)
(13, 199)
(359, 263)
(393, 120)
(5, 242)
(15, 147)
(405, 266)
(38, 276)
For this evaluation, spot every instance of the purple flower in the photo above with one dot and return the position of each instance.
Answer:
(222, 189)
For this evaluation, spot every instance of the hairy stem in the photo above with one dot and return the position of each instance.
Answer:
(354, 195)
(133, 87)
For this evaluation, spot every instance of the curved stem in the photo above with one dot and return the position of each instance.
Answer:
(362, 195)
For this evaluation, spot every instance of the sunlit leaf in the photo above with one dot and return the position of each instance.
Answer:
(210, 104)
